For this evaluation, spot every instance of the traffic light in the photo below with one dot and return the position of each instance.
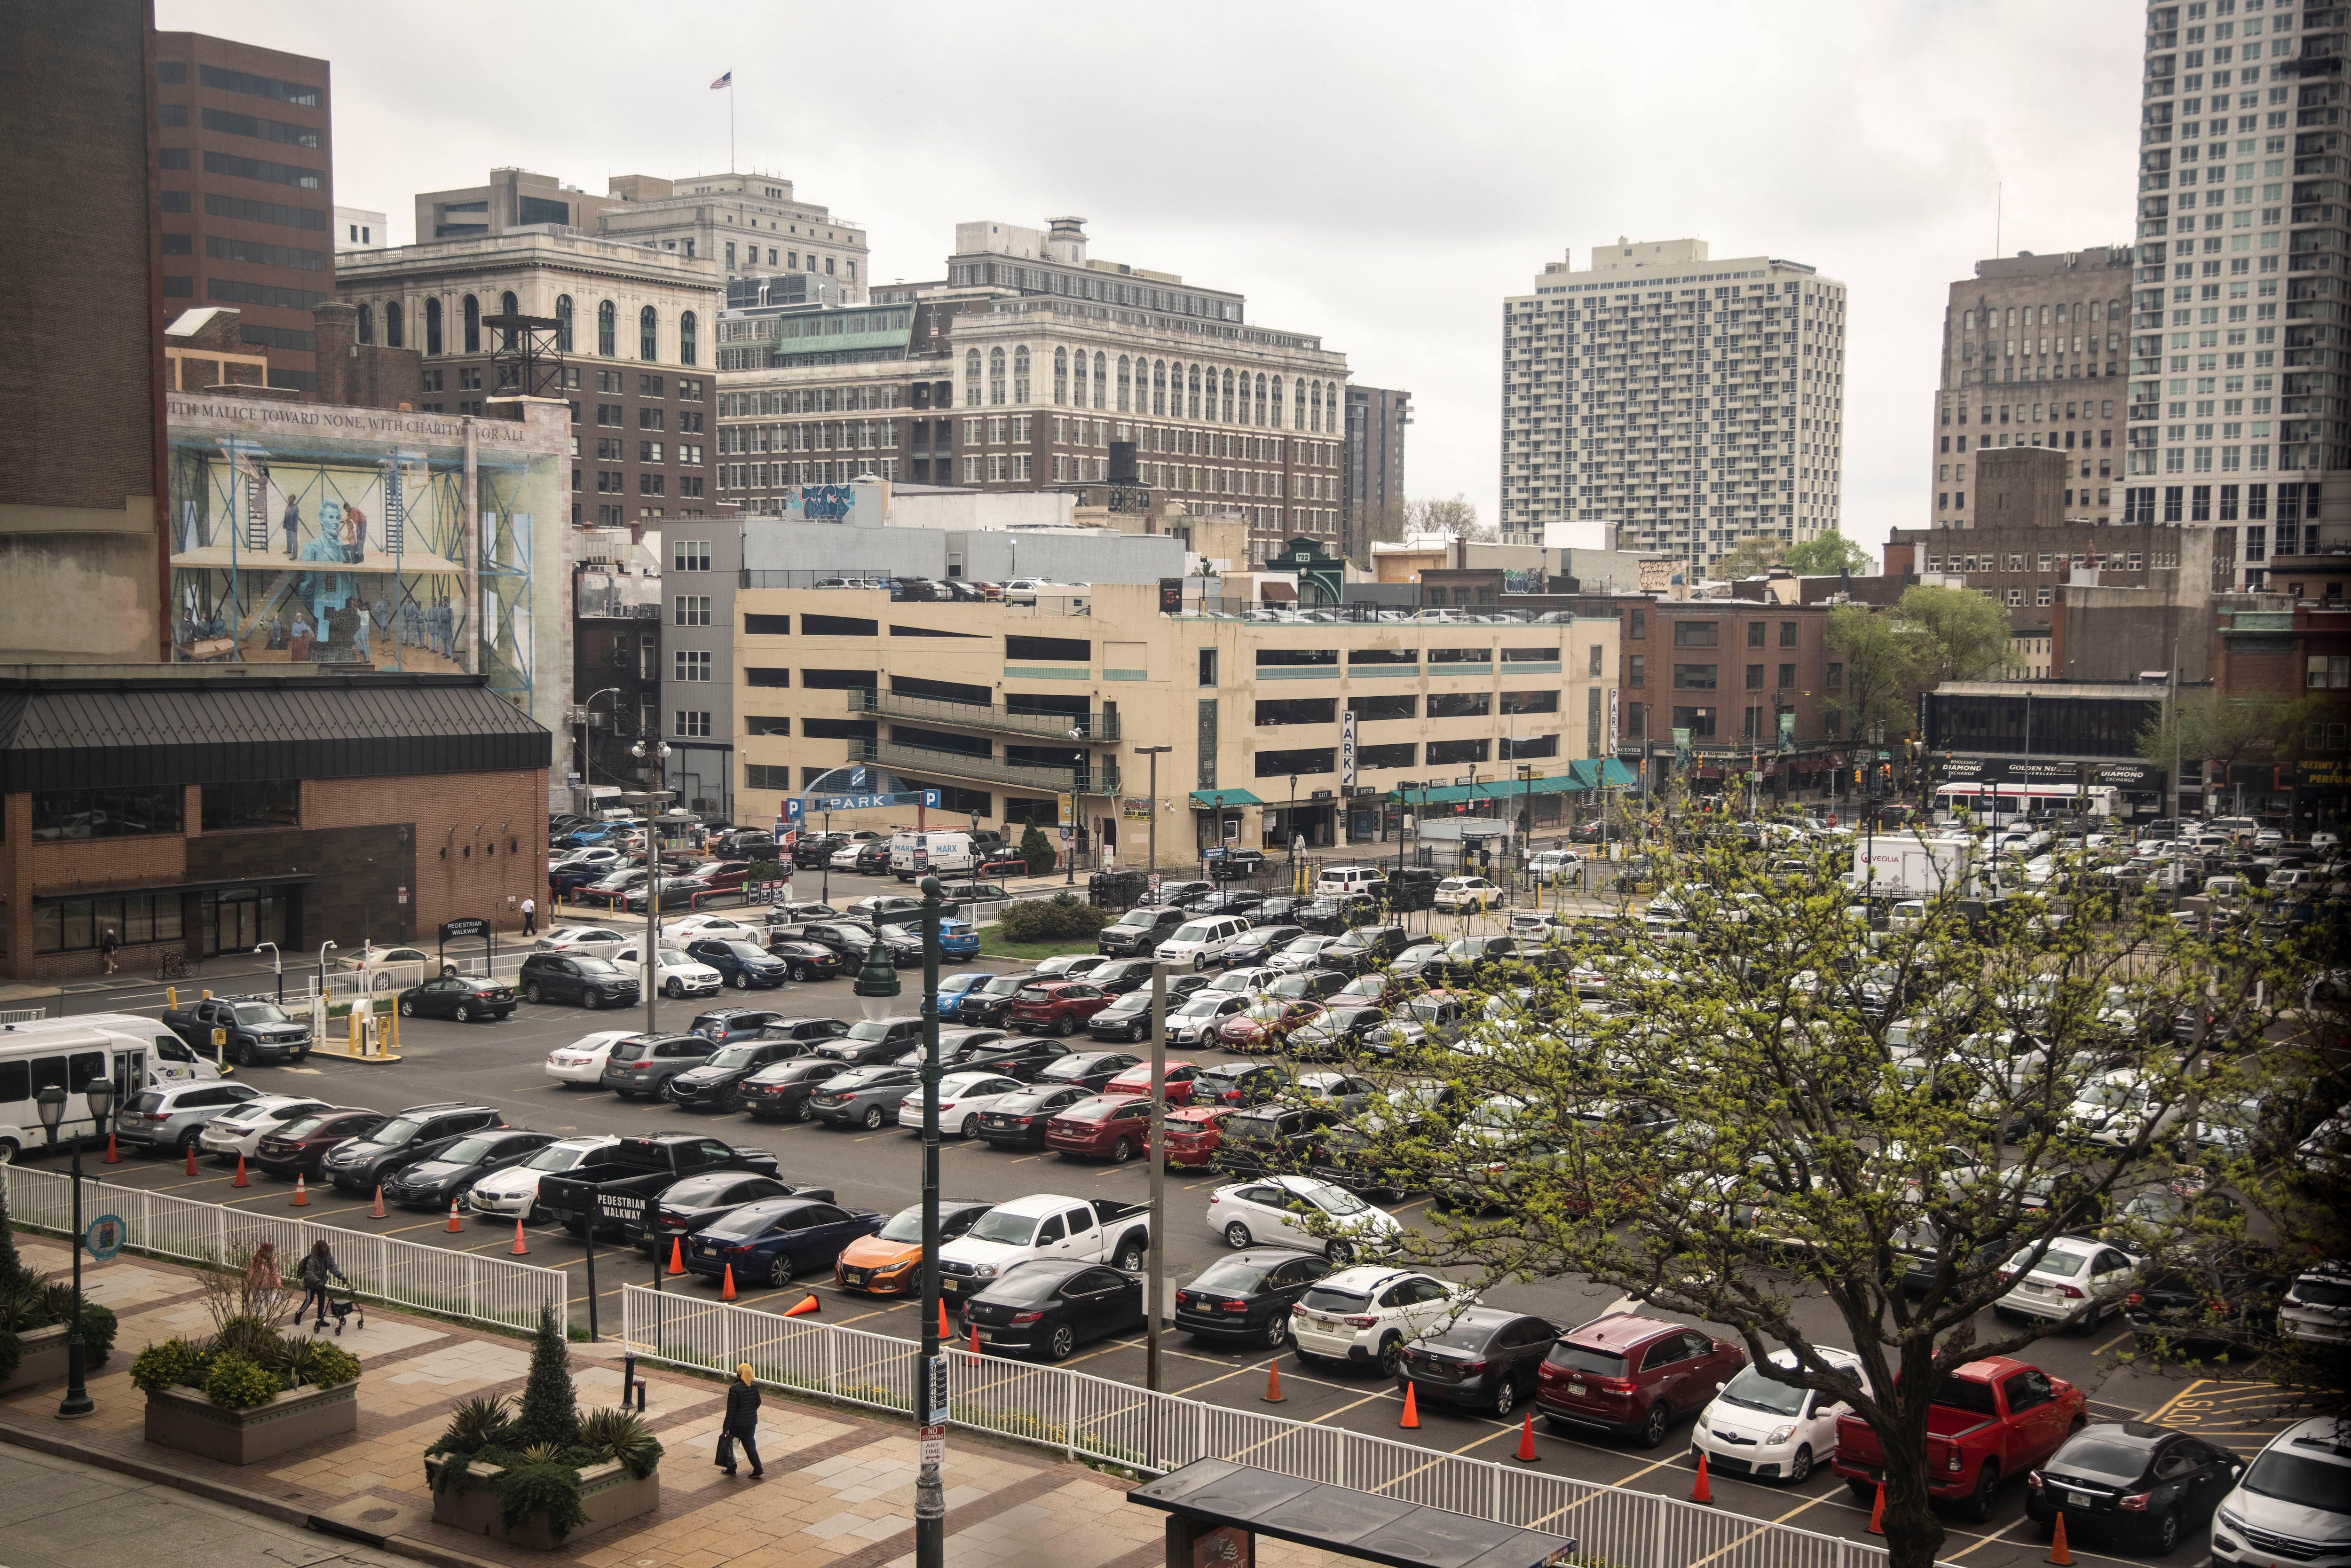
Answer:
(1856, 775)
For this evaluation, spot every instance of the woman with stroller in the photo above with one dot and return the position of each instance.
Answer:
(318, 1268)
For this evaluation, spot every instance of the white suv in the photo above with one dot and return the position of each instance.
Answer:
(2290, 1506)
(1365, 1316)
(1203, 944)
(1333, 879)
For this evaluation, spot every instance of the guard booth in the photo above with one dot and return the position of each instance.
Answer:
(1215, 1511)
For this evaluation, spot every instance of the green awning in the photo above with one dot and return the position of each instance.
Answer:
(1594, 773)
(1214, 800)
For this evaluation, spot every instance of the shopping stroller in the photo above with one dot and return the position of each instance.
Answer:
(343, 1310)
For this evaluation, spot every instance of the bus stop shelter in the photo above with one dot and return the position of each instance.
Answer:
(1216, 1511)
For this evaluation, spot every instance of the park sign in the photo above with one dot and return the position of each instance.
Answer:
(855, 788)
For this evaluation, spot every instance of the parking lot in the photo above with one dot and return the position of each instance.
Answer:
(500, 1065)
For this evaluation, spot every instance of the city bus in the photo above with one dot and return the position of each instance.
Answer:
(2001, 804)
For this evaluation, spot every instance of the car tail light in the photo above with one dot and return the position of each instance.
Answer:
(1363, 1323)
(2134, 1300)
(2072, 1292)
(1233, 1307)
(1296, 1309)
(2136, 1502)
(1026, 1317)
(946, 1104)
(1951, 1462)
(2218, 1309)
(2033, 1480)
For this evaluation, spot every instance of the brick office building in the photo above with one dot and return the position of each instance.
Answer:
(216, 808)
(247, 197)
(1726, 670)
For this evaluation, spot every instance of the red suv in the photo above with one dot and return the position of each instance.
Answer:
(1109, 1127)
(1055, 1006)
(1632, 1375)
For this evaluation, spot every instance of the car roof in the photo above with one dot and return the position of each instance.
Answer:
(1618, 1330)
(1369, 1277)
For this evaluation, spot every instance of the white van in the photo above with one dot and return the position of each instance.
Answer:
(914, 854)
(69, 1052)
(1203, 944)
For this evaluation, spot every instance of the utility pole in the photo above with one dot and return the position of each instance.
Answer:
(1154, 753)
(1155, 1278)
(2172, 716)
(930, 1496)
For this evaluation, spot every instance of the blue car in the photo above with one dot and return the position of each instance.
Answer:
(953, 986)
(778, 1240)
(958, 939)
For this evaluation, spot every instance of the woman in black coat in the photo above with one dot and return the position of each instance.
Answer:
(742, 1423)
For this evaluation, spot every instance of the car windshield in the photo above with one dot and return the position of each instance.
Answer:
(303, 1128)
(2300, 1480)
(2063, 1265)
(1583, 1358)
(1196, 931)
(869, 1031)
(1011, 1229)
(733, 1056)
(1090, 1111)
(398, 1131)
(1461, 1333)
(907, 1225)
(1333, 1200)
(1000, 986)
(1337, 1300)
(1757, 1392)
(1305, 947)
(260, 1013)
(593, 965)
(469, 1151)
(2100, 1457)
(554, 1157)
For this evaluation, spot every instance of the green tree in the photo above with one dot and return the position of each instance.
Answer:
(1036, 851)
(1827, 555)
(550, 1409)
(1881, 659)
(2211, 728)
(1965, 632)
(1749, 558)
(1817, 1161)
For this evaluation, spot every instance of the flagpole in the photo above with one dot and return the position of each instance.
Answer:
(730, 122)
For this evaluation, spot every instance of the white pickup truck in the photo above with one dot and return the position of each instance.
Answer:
(1044, 1225)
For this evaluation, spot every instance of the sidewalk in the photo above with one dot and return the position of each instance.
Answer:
(838, 1492)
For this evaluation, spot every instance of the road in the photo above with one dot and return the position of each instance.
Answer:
(500, 1065)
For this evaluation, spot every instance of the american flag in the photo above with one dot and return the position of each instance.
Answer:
(726, 81)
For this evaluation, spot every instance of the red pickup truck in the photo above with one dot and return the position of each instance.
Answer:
(1991, 1419)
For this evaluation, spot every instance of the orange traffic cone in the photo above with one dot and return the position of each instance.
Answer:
(1411, 1421)
(1702, 1492)
(241, 1180)
(676, 1255)
(192, 1159)
(1878, 1512)
(1273, 1395)
(726, 1285)
(945, 1333)
(301, 1192)
(2057, 1553)
(1526, 1455)
(807, 1307)
(519, 1249)
(975, 1346)
(455, 1223)
(112, 1157)
(377, 1212)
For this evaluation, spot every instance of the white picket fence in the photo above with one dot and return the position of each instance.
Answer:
(1089, 1417)
(488, 1289)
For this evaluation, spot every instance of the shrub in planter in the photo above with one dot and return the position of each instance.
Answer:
(534, 1481)
(233, 1383)
(1061, 918)
(550, 1409)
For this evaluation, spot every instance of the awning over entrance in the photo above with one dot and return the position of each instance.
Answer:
(1216, 800)
(1590, 773)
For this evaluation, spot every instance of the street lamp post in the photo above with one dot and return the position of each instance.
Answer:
(1290, 823)
(1077, 815)
(653, 800)
(1156, 1153)
(51, 1104)
(586, 722)
(277, 963)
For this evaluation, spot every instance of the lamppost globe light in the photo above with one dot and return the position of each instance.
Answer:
(51, 1101)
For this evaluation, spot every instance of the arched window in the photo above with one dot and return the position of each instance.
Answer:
(996, 378)
(1102, 379)
(1228, 397)
(473, 309)
(1298, 405)
(366, 323)
(1159, 386)
(685, 338)
(1020, 374)
(607, 329)
(971, 379)
(648, 334)
(1060, 376)
(1277, 402)
(1261, 400)
(1192, 393)
(394, 326)
(1080, 397)
(506, 307)
(563, 323)
(433, 325)
(1124, 366)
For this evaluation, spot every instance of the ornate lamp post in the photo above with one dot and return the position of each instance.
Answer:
(51, 1103)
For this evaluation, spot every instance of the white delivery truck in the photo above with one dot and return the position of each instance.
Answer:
(914, 854)
(1907, 865)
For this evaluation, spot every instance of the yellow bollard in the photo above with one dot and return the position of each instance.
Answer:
(207, 995)
(172, 998)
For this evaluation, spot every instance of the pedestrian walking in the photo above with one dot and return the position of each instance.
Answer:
(318, 1268)
(529, 916)
(742, 1423)
(261, 1271)
(110, 945)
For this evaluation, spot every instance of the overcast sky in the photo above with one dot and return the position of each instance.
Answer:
(1381, 174)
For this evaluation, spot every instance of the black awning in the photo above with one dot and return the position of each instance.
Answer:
(70, 734)
(1360, 1525)
(120, 890)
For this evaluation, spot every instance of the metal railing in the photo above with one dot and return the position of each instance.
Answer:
(1102, 730)
(924, 761)
(398, 1273)
(23, 1015)
(1089, 1417)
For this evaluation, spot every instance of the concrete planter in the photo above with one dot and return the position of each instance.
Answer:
(43, 1360)
(183, 1418)
(608, 1494)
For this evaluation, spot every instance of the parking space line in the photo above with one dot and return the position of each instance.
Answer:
(1986, 1540)
(2113, 1342)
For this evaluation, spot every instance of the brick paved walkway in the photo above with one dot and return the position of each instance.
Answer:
(838, 1492)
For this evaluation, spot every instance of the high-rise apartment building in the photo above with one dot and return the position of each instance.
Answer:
(2238, 354)
(2032, 345)
(748, 223)
(1021, 370)
(1373, 479)
(247, 199)
(1683, 402)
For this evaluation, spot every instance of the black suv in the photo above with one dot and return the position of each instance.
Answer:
(1411, 887)
(415, 1135)
(1365, 948)
(1236, 865)
(873, 1040)
(1139, 931)
(591, 982)
(807, 1033)
(1336, 913)
(848, 939)
(642, 1066)
(1184, 893)
(814, 849)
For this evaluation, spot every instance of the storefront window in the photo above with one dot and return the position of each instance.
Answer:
(78, 924)
(272, 803)
(106, 813)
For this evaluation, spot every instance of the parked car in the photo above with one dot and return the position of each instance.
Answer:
(1068, 966)
(1241, 1083)
(1460, 894)
(450, 1175)
(2072, 1271)
(1115, 1127)
(725, 1026)
(1632, 1375)
(1233, 865)
(1045, 1225)
(580, 978)
(595, 941)
(1090, 1069)
(1268, 1139)
(2292, 1503)
(1336, 912)
(1307, 985)
(1140, 929)
(1049, 1306)
(1054, 1006)
(296, 1147)
(778, 1240)
(1244, 1299)
(1298, 1211)
(642, 1064)
(2148, 1484)
(415, 1135)
(675, 973)
(168, 1118)
(1365, 948)
(1202, 1014)
(1012, 1056)
(1364, 1315)
(780, 1093)
(684, 1207)
(715, 1082)
(804, 960)
(1121, 975)
(1484, 1357)
(1020, 1121)
(2318, 1305)
(964, 1099)
(583, 1062)
(1991, 1420)
(1136, 1080)
(889, 1262)
(237, 1132)
(1194, 1135)
(1266, 1023)
(862, 1096)
(988, 1002)
(740, 962)
(1258, 944)
(513, 1193)
(1203, 944)
(1770, 1430)
(871, 1042)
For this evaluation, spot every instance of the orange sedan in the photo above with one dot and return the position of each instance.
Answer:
(889, 1263)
